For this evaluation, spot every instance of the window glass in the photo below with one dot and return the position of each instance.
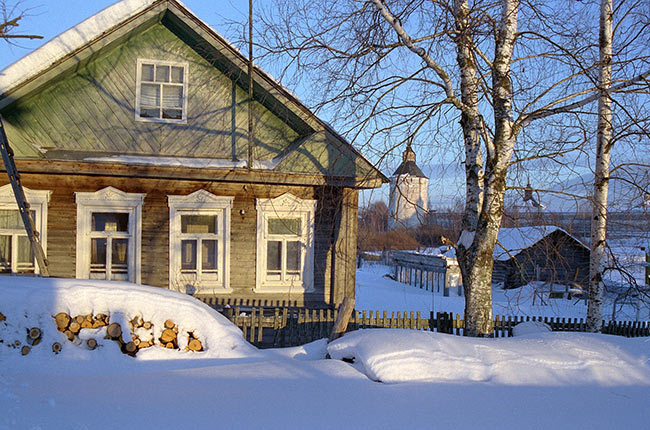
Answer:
(147, 72)
(198, 224)
(162, 73)
(188, 254)
(150, 95)
(5, 251)
(274, 255)
(172, 96)
(98, 251)
(172, 113)
(209, 254)
(11, 219)
(177, 75)
(104, 221)
(25, 254)
(284, 226)
(293, 256)
(119, 254)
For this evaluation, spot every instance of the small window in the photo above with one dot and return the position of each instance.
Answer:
(109, 235)
(161, 93)
(199, 242)
(16, 253)
(285, 244)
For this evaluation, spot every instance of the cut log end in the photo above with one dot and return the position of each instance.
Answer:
(34, 333)
(169, 324)
(168, 335)
(114, 331)
(2, 317)
(195, 345)
(62, 321)
(91, 343)
(56, 347)
(25, 350)
(74, 327)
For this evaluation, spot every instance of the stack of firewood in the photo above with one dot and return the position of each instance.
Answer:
(71, 326)
(114, 332)
(193, 343)
(141, 332)
(169, 336)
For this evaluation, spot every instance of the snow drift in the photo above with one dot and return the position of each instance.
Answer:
(541, 359)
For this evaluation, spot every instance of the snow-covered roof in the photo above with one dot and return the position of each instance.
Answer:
(68, 42)
(511, 241)
(85, 32)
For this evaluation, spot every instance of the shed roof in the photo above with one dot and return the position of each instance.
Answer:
(512, 241)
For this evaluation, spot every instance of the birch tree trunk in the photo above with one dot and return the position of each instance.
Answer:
(601, 178)
(476, 260)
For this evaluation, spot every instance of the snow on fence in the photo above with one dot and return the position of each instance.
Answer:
(283, 327)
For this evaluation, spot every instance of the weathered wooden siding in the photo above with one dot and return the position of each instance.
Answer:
(556, 258)
(92, 108)
(336, 209)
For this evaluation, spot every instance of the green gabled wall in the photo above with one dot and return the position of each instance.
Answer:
(91, 108)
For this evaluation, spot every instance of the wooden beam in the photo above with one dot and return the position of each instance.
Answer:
(342, 319)
(65, 167)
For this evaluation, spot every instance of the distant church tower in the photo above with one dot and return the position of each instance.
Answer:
(408, 193)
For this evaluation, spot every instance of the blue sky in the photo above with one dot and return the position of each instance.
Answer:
(52, 17)
(49, 18)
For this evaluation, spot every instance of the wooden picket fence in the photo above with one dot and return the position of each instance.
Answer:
(282, 327)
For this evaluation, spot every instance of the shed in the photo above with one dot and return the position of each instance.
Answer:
(539, 253)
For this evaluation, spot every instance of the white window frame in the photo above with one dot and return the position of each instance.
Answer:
(38, 202)
(200, 202)
(138, 86)
(286, 206)
(109, 199)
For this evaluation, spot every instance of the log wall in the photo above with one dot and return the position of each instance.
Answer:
(332, 215)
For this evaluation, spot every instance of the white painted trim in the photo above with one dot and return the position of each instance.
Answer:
(288, 206)
(200, 202)
(109, 199)
(38, 202)
(138, 83)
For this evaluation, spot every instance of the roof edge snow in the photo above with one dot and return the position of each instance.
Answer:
(69, 41)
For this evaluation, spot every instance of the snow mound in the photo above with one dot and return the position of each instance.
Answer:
(552, 359)
(530, 327)
(32, 302)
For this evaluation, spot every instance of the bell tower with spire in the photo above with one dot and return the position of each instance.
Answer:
(408, 193)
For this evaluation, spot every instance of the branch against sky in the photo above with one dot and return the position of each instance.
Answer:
(12, 14)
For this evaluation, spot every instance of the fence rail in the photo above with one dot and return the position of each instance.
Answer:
(282, 327)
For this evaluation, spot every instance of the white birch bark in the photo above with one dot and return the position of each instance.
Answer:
(601, 178)
(478, 311)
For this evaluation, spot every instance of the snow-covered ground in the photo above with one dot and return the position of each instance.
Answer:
(375, 291)
(537, 380)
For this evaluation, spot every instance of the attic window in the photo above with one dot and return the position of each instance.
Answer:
(161, 93)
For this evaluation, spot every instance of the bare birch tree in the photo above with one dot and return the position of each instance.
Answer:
(601, 177)
(407, 70)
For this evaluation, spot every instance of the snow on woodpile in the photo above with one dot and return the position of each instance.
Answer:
(550, 359)
(82, 319)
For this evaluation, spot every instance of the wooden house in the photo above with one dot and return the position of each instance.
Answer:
(130, 132)
(540, 253)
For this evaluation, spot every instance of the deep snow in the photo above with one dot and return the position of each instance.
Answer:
(539, 380)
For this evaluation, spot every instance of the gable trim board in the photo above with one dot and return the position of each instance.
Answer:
(123, 18)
